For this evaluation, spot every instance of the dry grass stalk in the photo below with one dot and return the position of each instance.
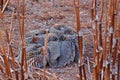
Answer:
(10, 47)
(19, 19)
(9, 44)
(111, 22)
(88, 63)
(22, 64)
(1, 69)
(103, 53)
(23, 60)
(108, 71)
(84, 72)
(114, 54)
(5, 6)
(23, 14)
(95, 31)
(100, 63)
(11, 25)
(10, 52)
(100, 23)
(5, 58)
(103, 73)
(110, 25)
(115, 13)
(76, 6)
(80, 48)
(94, 7)
(113, 76)
(40, 73)
(118, 71)
(95, 73)
(96, 52)
(93, 25)
(118, 55)
(1, 4)
(91, 10)
(80, 58)
(45, 53)
(105, 34)
(80, 72)
(79, 37)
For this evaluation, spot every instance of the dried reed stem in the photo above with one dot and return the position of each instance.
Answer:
(95, 72)
(22, 64)
(80, 72)
(115, 13)
(95, 31)
(80, 47)
(85, 78)
(5, 58)
(76, 6)
(105, 33)
(23, 60)
(5, 6)
(45, 53)
(110, 16)
(19, 20)
(1, 4)
(118, 67)
(108, 71)
(88, 63)
(9, 43)
(1, 68)
(79, 37)
(10, 47)
(100, 22)
(113, 76)
(115, 52)
(91, 10)
(118, 71)
(103, 73)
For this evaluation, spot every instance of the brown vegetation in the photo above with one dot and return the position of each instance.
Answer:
(105, 22)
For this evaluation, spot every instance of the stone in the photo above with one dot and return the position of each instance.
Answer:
(62, 46)
(67, 53)
(54, 54)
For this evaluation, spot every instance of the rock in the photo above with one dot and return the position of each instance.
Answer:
(62, 46)
(52, 37)
(54, 47)
(67, 51)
